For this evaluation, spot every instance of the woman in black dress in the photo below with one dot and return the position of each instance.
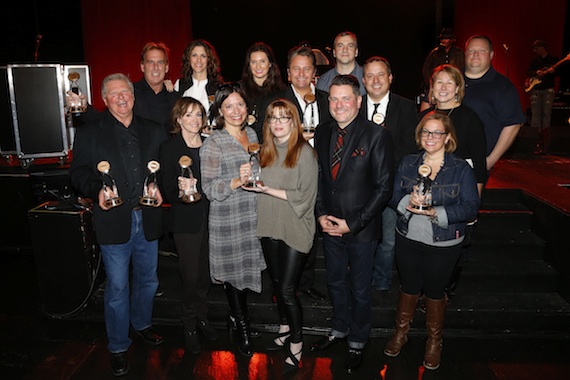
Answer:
(189, 220)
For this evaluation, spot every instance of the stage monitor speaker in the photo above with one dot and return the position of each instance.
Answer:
(66, 257)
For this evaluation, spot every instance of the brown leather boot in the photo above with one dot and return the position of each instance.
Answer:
(435, 315)
(404, 314)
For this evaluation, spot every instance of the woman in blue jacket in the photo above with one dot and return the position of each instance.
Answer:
(430, 228)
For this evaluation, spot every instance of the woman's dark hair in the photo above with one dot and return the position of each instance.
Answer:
(213, 67)
(224, 90)
(180, 108)
(272, 84)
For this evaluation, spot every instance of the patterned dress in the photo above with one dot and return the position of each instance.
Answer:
(235, 251)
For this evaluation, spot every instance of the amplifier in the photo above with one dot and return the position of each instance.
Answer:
(66, 257)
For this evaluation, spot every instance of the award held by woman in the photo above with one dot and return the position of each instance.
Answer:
(150, 185)
(190, 195)
(423, 187)
(255, 179)
(111, 200)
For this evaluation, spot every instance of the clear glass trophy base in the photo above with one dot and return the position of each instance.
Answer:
(422, 207)
(309, 129)
(148, 201)
(252, 183)
(191, 198)
(77, 109)
(113, 202)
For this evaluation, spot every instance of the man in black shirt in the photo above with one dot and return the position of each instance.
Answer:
(123, 144)
(153, 100)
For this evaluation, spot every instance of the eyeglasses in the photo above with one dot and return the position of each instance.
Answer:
(281, 119)
(436, 135)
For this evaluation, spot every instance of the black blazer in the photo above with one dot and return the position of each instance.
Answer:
(96, 142)
(364, 182)
(401, 119)
(184, 217)
(287, 93)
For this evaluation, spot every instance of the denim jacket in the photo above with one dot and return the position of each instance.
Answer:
(454, 195)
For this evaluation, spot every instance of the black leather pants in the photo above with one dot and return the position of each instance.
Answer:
(285, 265)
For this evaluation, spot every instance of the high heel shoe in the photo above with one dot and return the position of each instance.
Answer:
(290, 368)
(283, 337)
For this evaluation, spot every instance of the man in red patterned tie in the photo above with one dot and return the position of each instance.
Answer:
(355, 184)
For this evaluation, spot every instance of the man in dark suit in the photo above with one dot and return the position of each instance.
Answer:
(400, 116)
(355, 184)
(127, 233)
(314, 110)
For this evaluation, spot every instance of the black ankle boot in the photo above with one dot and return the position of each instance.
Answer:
(192, 343)
(243, 343)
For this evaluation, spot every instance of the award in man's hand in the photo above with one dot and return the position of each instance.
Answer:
(423, 187)
(112, 198)
(309, 125)
(188, 195)
(150, 186)
(255, 179)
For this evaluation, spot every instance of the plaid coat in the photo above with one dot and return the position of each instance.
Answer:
(235, 251)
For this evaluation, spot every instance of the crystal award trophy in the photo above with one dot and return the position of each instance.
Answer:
(423, 187)
(115, 200)
(149, 192)
(255, 179)
(77, 104)
(190, 195)
(309, 125)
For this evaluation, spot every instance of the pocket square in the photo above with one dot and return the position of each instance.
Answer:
(358, 152)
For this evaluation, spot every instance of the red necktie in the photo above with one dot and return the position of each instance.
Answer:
(337, 152)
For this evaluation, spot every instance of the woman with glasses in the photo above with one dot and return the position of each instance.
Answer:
(447, 89)
(236, 259)
(435, 194)
(286, 218)
(260, 79)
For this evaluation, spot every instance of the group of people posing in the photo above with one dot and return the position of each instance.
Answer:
(341, 159)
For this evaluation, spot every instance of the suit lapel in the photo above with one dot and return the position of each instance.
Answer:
(323, 144)
(392, 112)
(351, 145)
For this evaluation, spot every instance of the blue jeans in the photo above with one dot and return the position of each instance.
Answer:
(122, 308)
(349, 271)
(385, 252)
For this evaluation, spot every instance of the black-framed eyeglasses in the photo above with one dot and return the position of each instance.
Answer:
(281, 119)
(436, 135)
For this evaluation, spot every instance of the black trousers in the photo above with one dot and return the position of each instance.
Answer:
(308, 272)
(425, 267)
(285, 265)
(194, 269)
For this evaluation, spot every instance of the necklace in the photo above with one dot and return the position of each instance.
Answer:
(448, 109)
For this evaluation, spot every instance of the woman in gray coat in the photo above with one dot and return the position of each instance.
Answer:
(236, 259)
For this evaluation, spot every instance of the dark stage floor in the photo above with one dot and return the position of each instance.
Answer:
(36, 347)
